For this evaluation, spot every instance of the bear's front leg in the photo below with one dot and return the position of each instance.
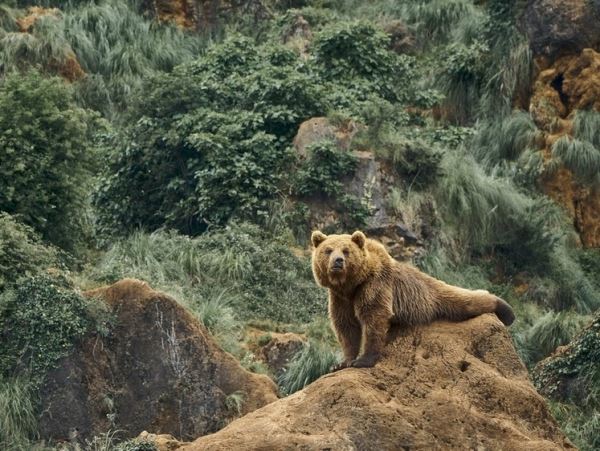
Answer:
(375, 318)
(347, 329)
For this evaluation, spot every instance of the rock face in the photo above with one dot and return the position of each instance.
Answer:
(569, 84)
(445, 386)
(556, 27)
(371, 184)
(159, 370)
(280, 350)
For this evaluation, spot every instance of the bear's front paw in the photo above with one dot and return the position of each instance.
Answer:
(365, 361)
(340, 366)
(504, 311)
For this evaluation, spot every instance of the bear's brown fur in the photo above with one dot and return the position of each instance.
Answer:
(369, 291)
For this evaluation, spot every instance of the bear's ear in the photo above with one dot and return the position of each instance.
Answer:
(359, 239)
(317, 238)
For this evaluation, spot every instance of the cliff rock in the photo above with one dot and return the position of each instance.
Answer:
(158, 370)
(444, 386)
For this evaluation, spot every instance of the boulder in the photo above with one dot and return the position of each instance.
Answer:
(443, 386)
(158, 370)
(280, 349)
(558, 27)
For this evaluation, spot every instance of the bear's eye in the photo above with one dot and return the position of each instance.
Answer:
(346, 252)
(328, 251)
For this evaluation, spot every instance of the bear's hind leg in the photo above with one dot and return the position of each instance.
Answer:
(458, 304)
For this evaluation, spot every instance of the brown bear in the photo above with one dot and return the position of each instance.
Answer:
(369, 291)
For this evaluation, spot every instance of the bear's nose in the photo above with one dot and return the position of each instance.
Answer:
(339, 261)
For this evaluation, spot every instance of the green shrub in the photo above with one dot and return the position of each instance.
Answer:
(224, 121)
(18, 421)
(315, 360)
(357, 56)
(21, 252)
(40, 322)
(47, 141)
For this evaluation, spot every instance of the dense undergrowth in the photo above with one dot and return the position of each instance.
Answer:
(168, 157)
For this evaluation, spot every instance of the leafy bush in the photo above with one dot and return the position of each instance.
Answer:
(47, 140)
(356, 55)
(315, 360)
(39, 323)
(21, 252)
(220, 165)
(586, 127)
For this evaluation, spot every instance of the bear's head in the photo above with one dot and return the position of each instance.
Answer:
(339, 261)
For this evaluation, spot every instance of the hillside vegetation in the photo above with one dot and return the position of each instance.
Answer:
(144, 141)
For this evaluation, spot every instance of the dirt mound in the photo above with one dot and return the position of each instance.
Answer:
(445, 386)
(158, 370)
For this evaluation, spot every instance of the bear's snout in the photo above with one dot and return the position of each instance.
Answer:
(338, 263)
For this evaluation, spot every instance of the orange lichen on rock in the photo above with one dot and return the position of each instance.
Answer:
(569, 84)
(179, 12)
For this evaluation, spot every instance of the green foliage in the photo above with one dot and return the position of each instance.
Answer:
(581, 157)
(47, 141)
(315, 360)
(486, 210)
(263, 277)
(325, 166)
(504, 139)
(356, 55)
(21, 252)
(18, 421)
(586, 127)
(549, 331)
(119, 47)
(580, 425)
(220, 165)
(235, 402)
(40, 321)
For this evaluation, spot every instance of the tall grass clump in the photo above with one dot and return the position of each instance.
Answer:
(504, 139)
(581, 157)
(44, 46)
(315, 360)
(549, 331)
(17, 415)
(484, 210)
(119, 47)
(586, 127)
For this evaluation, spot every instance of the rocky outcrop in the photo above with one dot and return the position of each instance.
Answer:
(559, 27)
(562, 375)
(569, 84)
(278, 352)
(445, 386)
(370, 184)
(157, 370)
